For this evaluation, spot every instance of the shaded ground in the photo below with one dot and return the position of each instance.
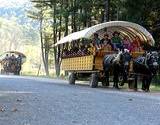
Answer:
(35, 101)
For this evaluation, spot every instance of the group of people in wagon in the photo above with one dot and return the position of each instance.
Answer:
(76, 49)
(12, 64)
(114, 43)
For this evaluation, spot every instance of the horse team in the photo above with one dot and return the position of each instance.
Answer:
(146, 66)
(122, 64)
(12, 64)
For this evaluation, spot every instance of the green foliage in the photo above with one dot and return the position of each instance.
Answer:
(143, 12)
(61, 17)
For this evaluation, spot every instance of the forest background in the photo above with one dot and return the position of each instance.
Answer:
(33, 27)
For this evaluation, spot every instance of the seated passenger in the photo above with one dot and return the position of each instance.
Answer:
(69, 51)
(90, 49)
(116, 41)
(12, 58)
(6, 57)
(19, 64)
(75, 48)
(65, 52)
(135, 45)
(126, 43)
(72, 52)
(107, 42)
(79, 53)
(96, 41)
(84, 50)
(6, 62)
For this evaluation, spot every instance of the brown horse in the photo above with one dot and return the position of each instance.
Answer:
(116, 63)
(147, 67)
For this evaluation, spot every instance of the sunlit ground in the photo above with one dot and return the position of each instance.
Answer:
(14, 92)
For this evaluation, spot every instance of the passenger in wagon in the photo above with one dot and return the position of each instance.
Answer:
(135, 45)
(12, 58)
(116, 41)
(66, 50)
(84, 50)
(6, 62)
(6, 57)
(97, 41)
(75, 48)
(80, 49)
(126, 43)
(106, 42)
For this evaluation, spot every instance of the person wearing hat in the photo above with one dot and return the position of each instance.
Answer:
(106, 42)
(116, 40)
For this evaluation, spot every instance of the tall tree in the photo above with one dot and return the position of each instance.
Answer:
(39, 15)
(106, 10)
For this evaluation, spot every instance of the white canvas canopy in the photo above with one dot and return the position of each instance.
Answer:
(125, 28)
(16, 53)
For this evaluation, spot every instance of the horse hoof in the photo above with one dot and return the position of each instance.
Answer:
(115, 87)
(143, 88)
(147, 90)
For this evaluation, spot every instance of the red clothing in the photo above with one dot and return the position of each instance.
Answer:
(135, 45)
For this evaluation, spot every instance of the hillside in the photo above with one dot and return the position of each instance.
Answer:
(13, 16)
(18, 32)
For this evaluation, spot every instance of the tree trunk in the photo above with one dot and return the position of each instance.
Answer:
(73, 23)
(60, 29)
(46, 58)
(66, 22)
(106, 10)
(43, 47)
(56, 49)
(66, 26)
(42, 44)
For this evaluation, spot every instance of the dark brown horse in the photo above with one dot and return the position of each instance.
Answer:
(147, 67)
(116, 63)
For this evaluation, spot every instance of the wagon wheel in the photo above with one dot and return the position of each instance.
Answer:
(72, 78)
(94, 80)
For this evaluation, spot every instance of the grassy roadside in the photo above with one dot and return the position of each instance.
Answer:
(155, 88)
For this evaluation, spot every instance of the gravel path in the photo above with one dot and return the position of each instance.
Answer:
(39, 101)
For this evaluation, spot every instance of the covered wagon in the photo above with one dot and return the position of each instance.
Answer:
(90, 62)
(11, 62)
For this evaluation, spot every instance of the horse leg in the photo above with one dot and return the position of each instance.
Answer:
(124, 75)
(107, 78)
(115, 80)
(144, 83)
(135, 84)
(148, 82)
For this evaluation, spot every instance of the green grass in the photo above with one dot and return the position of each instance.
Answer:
(155, 88)
(42, 75)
